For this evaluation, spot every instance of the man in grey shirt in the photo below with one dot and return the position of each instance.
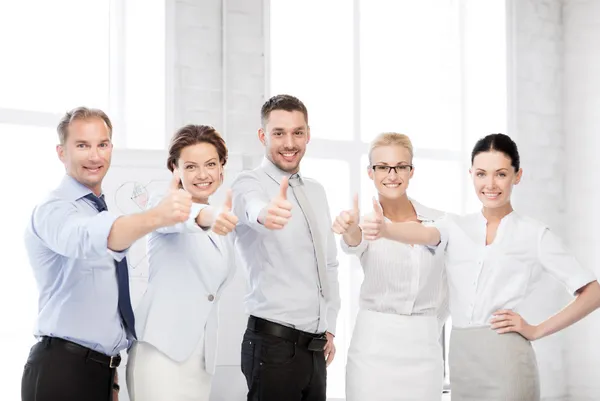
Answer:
(285, 242)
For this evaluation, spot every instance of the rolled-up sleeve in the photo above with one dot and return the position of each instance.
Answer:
(249, 201)
(69, 232)
(561, 264)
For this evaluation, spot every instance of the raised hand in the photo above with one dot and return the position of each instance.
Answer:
(279, 211)
(175, 207)
(225, 221)
(347, 221)
(374, 224)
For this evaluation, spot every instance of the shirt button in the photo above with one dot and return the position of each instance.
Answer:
(211, 298)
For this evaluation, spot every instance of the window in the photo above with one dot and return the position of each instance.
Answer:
(57, 54)
(143, 116)
(97, 53)
(432, 69)
(410, 58)
(315, 64)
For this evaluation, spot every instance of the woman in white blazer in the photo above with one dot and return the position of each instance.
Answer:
(395, 353)
(494, 258)
(176, 320)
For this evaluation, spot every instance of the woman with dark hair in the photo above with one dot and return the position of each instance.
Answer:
(176, 319)
(493, 259)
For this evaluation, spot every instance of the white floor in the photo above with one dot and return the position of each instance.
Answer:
(228, 385)
(445, 397)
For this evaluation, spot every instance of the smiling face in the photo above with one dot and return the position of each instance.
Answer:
(285, 136)
(87, 152)
(493, 178)
(200, 170)
(391, 183)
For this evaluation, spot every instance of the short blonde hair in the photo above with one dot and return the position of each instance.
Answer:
(80, 113)
(389, 139)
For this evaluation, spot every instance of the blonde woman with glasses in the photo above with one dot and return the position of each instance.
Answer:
(395, 350)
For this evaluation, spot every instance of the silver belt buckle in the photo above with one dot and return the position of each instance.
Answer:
(110, 364)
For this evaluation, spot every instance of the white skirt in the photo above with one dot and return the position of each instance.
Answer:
(153, 376)
(485, 365)
(394, 358)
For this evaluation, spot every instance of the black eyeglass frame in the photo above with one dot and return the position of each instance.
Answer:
(397, 169)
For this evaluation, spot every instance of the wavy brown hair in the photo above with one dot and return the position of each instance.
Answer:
(191, 135)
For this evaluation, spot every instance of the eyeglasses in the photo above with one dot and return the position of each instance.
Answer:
(401, 169)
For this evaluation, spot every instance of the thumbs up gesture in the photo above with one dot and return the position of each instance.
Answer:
(373, 225)
(177, 203)
(347, 221)
(279, 211)
(225, 221)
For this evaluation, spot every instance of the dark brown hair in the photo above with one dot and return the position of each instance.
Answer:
(80, 113)
(499, 143)
(191, 135)
(282, 102)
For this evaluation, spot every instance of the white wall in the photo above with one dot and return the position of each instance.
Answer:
(555, 103)
(219, 68)
(535, 121)
(582, 168)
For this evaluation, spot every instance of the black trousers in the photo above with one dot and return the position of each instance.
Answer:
(53, 373)
(277, 369)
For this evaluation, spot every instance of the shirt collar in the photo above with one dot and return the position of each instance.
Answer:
(71, 189)
(508, 217)
(424, 213)
(275, 172)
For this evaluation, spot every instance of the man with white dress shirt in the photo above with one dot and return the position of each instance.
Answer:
(77, 248)
(285, 242)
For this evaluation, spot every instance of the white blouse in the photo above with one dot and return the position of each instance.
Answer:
(485, 278)
(403, 279)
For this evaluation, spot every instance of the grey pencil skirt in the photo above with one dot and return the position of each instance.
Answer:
(488, 366)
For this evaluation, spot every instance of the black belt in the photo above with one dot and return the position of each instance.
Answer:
(287, 333)
(110, 361)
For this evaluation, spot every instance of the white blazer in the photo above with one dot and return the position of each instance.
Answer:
(189, 268)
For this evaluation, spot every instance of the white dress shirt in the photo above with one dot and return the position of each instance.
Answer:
(485, 278)
(281, 264)
(189, 268)
(403, 279)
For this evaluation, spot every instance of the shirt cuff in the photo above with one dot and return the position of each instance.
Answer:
(442, 227)
(576, 283)
(194, 212)
(353, 250)
(253, 211)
